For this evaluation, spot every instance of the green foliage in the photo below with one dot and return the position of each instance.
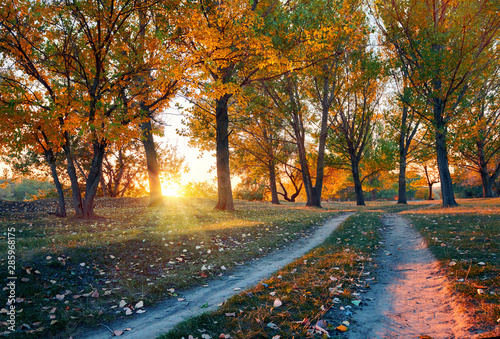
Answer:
(250, 189)
(199, 190)
(25, 189)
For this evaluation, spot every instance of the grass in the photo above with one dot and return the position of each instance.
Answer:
(466, 240)
(318, 288)
(73, 272)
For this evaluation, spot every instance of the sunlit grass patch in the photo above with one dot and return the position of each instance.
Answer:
(72, 272)
(319, 286)
(468, 246)
(466, 206)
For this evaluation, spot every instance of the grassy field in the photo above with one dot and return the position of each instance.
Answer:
(466, 240)
(72, 272)
(317, 289)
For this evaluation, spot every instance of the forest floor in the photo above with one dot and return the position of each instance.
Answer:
(372, 275)
(195, 301)
(403, 292)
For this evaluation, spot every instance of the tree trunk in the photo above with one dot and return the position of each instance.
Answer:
(155, 195)
(272, 184)
(402, 159)
(487, 184)
(304, 167)
(402, 181)
(430, 191)
(483, 171)
(224, 190)
(358, 188)
(320, 168)
(61, 209)
(442, 156)
(93, 179)
(75, 188)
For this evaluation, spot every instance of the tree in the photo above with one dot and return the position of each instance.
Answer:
(76, 54)
(479, 137)
(228, 46)
(125, 170)
(444, 46)
(406, 126)
(355, 111)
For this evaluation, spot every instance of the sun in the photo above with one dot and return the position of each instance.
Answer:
(170, 189)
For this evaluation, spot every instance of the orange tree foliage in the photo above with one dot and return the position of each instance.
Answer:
(70, 64)
(229, 45)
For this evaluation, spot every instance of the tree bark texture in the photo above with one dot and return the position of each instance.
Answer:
(358, 188)
(155, 195)
(224, 190)
(61, 209)
(442, 156)
(272, 184)
(93, 179)
(402, 158)
(486, 180)
(75, 188)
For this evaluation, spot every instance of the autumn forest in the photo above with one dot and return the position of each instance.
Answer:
(299, 99)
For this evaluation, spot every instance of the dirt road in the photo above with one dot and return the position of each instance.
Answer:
(410, 297)
(167, 314)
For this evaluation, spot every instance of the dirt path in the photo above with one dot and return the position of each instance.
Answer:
(410, 298)
(170, 312)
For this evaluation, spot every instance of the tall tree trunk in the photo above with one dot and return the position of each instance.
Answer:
(483, 171)
(402, 158)
(320, 167)
(358, 188)
(402, 181)
(272, 184)
(304, 167)
(75, 188)
(487, 184)
(93, 179)
(155, 195)
(442, 156)
(224, 189)
(61, 209)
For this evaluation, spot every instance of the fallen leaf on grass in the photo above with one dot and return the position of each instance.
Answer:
(139, 304)
(95, 294)
(122, 303)
(356, 302)
(273, 326)
(277, 303)
(231, 314)
(140, 311)
(60, 297)
(322, 330)
(342, 328)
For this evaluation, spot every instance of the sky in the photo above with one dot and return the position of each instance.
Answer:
(200, 164)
